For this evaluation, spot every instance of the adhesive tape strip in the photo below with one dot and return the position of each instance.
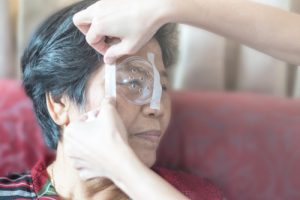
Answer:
(110, 81)
(157, 89)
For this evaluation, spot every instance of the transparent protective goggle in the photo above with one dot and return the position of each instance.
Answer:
(136, 80)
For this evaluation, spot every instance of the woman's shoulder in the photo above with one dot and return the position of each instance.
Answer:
(192, 186)
(16, 186)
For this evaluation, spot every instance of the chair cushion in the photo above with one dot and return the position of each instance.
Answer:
(21, 143)
(248, 144)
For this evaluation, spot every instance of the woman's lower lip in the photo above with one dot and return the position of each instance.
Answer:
(153, 136)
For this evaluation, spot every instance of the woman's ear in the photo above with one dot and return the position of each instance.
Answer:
(58, 109)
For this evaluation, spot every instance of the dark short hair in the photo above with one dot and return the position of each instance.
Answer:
(58, 61)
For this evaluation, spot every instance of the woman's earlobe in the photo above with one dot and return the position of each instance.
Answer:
(58, 109)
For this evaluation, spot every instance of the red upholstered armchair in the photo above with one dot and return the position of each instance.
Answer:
(21, 143)
(247, 144)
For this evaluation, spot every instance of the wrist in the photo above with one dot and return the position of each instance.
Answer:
(127, 171)
(166, 12)
(139, 182)
(163, 12)
(191, 12)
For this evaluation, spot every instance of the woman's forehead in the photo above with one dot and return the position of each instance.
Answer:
(151, 47)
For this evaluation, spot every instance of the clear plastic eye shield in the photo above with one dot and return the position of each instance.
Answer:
(135, 79)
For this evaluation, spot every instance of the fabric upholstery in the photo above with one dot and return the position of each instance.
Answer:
(245, 143)
(21, 144)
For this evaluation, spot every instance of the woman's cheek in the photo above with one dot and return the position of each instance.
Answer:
(167, 114)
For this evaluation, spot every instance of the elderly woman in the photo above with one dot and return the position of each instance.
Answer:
(105, 147)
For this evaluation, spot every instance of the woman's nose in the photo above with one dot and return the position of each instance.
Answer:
(150, 112)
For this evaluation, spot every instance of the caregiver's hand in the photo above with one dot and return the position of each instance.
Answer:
(126, 20)
(265, 28)
(97, 144)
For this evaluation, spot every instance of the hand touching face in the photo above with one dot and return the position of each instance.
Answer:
(145, 126)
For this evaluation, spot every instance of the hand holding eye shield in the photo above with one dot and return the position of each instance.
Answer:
(134, 22)
(104, 143)
(98, 23)
(103, 151)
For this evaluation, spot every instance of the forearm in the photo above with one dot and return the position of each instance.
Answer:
(140, 182)
(265, 28)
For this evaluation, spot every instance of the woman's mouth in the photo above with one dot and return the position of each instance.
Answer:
(152, 135)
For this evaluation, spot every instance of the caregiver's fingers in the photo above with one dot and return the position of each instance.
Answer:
(78, 163)
(118, 50)
(82, 21)
(82, 18)
(101, 47)
(84, 28)
(89, 116)
(95, 37)
(108, 112)
(108, 102)
(86, 175)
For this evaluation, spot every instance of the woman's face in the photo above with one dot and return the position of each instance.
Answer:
(145, 126)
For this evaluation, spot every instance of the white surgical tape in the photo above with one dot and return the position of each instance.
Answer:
(157, 89)
(110, 81)
(110, 88)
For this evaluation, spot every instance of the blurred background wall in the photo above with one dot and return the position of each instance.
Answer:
(206, 61)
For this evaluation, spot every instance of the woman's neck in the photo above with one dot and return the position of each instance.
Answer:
(68, 184)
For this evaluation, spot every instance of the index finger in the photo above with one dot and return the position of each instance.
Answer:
(108, 103)
(82, 18)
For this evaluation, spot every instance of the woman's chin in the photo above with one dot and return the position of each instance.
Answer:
(144, 149)
(146, 155)
(149, 161)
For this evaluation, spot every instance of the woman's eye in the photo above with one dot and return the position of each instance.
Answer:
(134, 84)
